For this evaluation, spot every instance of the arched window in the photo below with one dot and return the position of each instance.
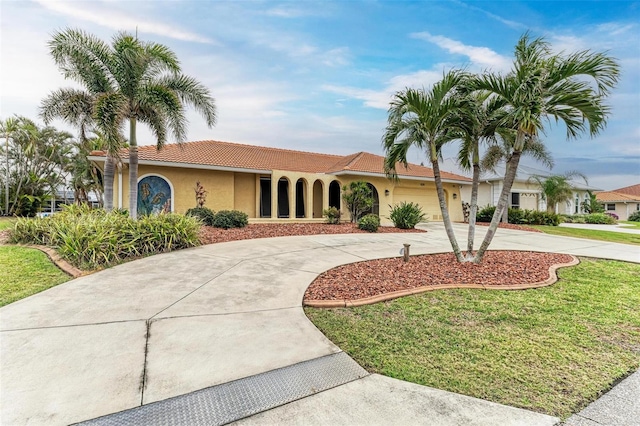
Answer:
(154, 195)
(334, 194)
(375, 208)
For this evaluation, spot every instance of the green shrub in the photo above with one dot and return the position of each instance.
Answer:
(93, 238)
(333, 215)
(599, 219)
(485, 214)
(230, 219)
(205, 214)
(369, 222)
(635, 216)
(406, 215)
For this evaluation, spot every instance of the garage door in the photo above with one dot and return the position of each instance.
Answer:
(425, 197)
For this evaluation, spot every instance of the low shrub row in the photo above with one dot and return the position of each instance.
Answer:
(92, 238)
(521, 216)
(593, 218)
(223, 219)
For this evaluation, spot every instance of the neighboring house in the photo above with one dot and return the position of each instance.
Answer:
(622, 201)
(273, 184)
(525, 193)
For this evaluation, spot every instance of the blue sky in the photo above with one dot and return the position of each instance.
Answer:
(318, 75)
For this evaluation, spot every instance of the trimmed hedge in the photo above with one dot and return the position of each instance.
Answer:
(370, 222)
(521, 217)
(205, 214)
(635, 216)
(599, 219)
(227, 219)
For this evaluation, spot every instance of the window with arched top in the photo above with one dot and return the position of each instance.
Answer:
(154, 195)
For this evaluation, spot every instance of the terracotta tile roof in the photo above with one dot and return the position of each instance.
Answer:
(240, 156)
(613, 196)
(633, 190)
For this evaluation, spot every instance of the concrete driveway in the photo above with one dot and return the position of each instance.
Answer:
(226, 316)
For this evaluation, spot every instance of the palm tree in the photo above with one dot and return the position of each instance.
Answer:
(8, 128)
(556, 188)
(135, 81)
(543, 86)
(427, 120)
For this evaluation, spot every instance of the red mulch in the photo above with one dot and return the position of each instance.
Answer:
(511, 226)
(375, 277)
(209, 235)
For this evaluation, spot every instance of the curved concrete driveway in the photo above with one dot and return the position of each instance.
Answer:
(171, 324)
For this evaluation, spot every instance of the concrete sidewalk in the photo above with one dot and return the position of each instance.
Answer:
(622, 228)
(172, 324)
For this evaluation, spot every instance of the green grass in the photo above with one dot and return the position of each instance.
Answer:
(629, 224)
(6, 223)
(592, 234)
(25, 272)
(551, 350)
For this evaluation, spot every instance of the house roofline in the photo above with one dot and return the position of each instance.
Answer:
(188, 165)
(402, 177)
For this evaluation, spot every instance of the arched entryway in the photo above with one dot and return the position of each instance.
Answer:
(317, 198)
(301, 198)
(155, 195)
(334, 194)
(283, 197)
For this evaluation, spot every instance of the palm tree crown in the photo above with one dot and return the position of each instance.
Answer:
(135, 81)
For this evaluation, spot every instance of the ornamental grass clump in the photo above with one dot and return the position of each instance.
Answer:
(406, 215)
(92, 238)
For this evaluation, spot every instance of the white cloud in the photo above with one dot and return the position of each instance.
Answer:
(380, 98)
(478, 55)
(109, 17)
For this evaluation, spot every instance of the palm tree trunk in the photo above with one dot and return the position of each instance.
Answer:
(133, 170)
(6, 183)
(443, 205)
(510, 175)
(109, 173)
(474, 205)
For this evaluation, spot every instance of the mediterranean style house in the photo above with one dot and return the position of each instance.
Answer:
(621, 201)
(271, 184)
(525, 193)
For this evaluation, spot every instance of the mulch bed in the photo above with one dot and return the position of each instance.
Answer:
(371, 278)
(209, 235)
(511, 226)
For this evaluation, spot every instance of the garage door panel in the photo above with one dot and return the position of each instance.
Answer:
(426, 198)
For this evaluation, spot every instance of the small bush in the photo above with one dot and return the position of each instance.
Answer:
(599, 219)
(205, 214)
(635, 216)
(230, 219)
(485, 214)
(370, 222)
(333, 215)
(406, 215)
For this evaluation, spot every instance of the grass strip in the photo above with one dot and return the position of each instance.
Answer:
(591, 234)
(26, 271)
(552, 350)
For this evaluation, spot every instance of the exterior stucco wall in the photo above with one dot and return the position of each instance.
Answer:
(623, 210)
(228, 190)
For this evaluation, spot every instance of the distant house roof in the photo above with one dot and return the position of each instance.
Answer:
(617, 197)
(260, 159)
(633, 190)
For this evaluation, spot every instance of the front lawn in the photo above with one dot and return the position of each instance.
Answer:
(551, 350)
(592, 234)
(6, 223)
(629, 224)
(26, 271)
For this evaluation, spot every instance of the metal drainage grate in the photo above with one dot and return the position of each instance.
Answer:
(241, 398)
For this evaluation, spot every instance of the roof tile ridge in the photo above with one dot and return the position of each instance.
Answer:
(245, 145)
(356, 158)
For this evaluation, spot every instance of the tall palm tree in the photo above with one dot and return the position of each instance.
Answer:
(8, 128)
(134, 81)
(570, 88)
(426, 120)
(557, 189)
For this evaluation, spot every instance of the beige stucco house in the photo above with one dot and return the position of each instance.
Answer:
(621, 201)
(271, 184)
